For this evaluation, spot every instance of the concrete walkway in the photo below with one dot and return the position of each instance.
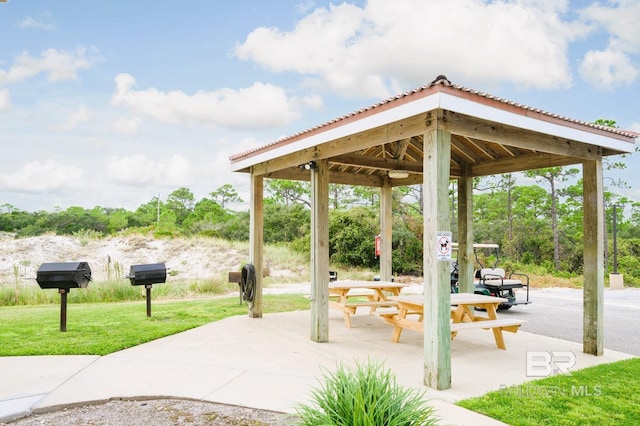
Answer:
(271, 363)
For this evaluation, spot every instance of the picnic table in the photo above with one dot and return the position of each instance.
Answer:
(409, 314)
(348, 295)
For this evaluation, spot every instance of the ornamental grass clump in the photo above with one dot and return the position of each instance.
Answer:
(365, 396)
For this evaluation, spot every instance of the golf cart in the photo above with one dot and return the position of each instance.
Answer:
(492, 281)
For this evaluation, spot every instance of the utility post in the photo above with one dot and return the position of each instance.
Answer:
(616, 280)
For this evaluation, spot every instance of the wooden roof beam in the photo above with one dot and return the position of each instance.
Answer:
(480, 146)
(475, 128)
(521, 163)
(401, 148)
(509, 150)
(461, 150)
(334, 177)
(377, 163)
(366, 139)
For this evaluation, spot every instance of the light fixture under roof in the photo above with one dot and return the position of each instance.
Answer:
(308, 166)
(398, 174)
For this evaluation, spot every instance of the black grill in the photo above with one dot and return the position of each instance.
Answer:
(64, 275)
(147, 275)
(151, 273)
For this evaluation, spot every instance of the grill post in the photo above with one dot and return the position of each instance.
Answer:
(148, 289)
(63, 309)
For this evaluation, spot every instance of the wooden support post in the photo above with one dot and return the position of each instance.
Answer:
(465, 233)
(437, 290)
(593, 291)
(385, 231)
(320, 251)
(256, 240)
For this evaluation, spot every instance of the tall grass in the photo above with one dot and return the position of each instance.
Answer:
(364, 396)
(115, 291)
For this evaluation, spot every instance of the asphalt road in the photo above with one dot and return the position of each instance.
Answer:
(557, 312)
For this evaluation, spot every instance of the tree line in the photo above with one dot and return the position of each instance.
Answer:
(535, 224)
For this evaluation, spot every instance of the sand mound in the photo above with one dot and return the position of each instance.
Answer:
(184, 258)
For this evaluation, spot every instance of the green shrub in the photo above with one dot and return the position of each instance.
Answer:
(84, 235)
(302, 245)
(630, 266)
(366, 396)
(407, 250)
(351, 237)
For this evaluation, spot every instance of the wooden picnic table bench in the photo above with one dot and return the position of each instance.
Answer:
(348, 295)
(463, 316)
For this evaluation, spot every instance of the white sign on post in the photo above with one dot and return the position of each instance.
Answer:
(443, 245)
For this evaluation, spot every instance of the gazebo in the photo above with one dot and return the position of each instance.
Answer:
(429, 136)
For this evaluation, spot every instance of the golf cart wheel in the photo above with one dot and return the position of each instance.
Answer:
(504, 306)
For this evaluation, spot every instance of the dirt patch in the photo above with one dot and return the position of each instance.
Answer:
(156, 412)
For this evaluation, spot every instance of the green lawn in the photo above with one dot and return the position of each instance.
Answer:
(607, 394)
(103, 328)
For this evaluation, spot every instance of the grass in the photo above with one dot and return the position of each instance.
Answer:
(103, 328)
(607, 394)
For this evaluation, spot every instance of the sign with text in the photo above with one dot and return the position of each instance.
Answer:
(443, 245)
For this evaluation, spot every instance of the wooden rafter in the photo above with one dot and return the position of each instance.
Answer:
(480, 147)
(509, 150)
(477, 129)
(521, 163)
(377, 163)
(458, 148)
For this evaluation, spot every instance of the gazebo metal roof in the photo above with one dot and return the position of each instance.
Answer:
(490, 135)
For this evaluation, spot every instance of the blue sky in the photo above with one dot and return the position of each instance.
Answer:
(111, 103)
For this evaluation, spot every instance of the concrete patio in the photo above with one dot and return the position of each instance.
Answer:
(270, 363)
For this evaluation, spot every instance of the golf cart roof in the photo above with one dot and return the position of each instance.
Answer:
(485, 245)
(479, 245)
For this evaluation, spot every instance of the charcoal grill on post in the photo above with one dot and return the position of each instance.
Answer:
(147, 275)
(64, 276)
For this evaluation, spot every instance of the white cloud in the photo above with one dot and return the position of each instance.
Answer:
(5, 100)
(614, 66)
(127, 126)
(621, 21)
(30, 22)
(259, 106)
(60, 65)
(304, 7)
(350, 50)
(139, 170)
(607, 69)
(80, 116)
(37, 176)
